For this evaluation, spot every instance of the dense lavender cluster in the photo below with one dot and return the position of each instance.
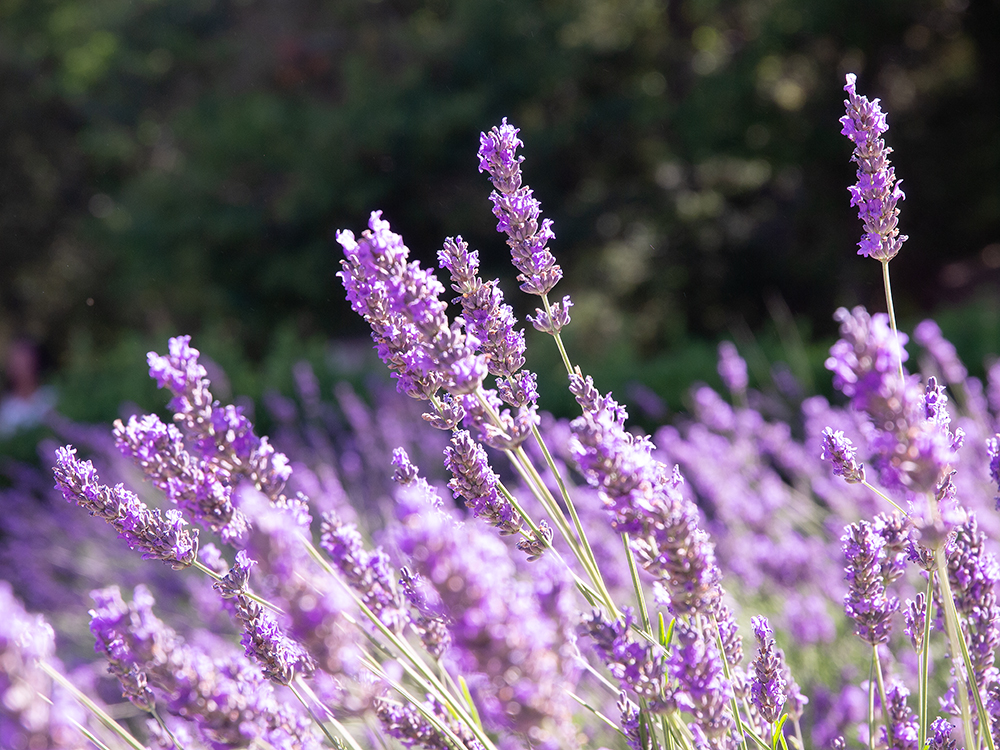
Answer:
(522, 581)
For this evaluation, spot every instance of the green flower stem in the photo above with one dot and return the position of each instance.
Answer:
(91, 706)
(568, 500)
(885, 497)
(925, 663)
(557, 337)
(633, 571)
(315, 718)
(877, 666)
(892, 314)
(959, 646)
(341, 729)
(727, 671)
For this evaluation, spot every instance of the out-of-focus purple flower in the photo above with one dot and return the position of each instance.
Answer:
(877, 190)
(639, 666)
(473, 480)
(227, 698)
(903, 725)
(912, 443)
(842, 454)
(517, 211)
(928, 335)
(160, 536)
(974, 573)
(368, 573)
(732, 368)
(637, 736)
(409, 322)
(644, 499)
(767, 685)
(195, 486)
(33, 711)
(430, 624)
(941, 739)
(993, 450)
(867, 602)
(516, 659)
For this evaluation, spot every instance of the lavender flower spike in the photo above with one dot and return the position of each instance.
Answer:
(159, 536)
(866, 601)
(877, 190)
(767, 685)
(518, 211)
(840, 452)
(474, 480)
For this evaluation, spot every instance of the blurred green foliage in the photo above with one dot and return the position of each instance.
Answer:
(172, 166)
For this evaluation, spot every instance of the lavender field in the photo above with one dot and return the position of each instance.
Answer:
(445, 565)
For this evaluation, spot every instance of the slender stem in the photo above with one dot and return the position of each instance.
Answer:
(640, 599)
(877, 664)
(885, 497)
(924, 662)
(871, 706)
(312, 714)
(578, 525)
(348, 737)
(91, 706)
(727, 671)
(249, 594)
(958, 642)
(892, 315)
(557, 337)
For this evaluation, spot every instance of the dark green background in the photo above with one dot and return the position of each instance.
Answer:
(181, 166)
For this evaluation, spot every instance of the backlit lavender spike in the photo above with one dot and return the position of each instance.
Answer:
(639, 666)
(160, 536)
(842, 454)
(222, 435)
(866, 601)
(475, 481)
(877, 190)
(767, 685)
(703, 690)
(517, 211)
(409, 322)
(941, 735)
(904, 725)
(194, 485)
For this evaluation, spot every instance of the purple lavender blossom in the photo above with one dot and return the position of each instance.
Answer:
(928, 335)
(34, 713)
(877, 190)
(408, 725)
(767, 686)
(517, 661)
(222, 436)
(639, 666)
(637, 735)
(702, 688)
(941, 739)
(974, 573)
(279, 657)
(474, 480)
(644, 499)
(993, 450)
(160, 536)
(496, 426)
(555, 319)
(197, 487)
(517, 211)
(903, 725)
(368, 573)
(409, 322)
(490, 320)
(732, 368)
(915, 617)
(226, 698)
(841, 453)
(866, 601)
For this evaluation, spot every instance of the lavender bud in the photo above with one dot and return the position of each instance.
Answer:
(841, 453)
(555, 320)
(941, 738)
(915, 617)
(535, 547)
